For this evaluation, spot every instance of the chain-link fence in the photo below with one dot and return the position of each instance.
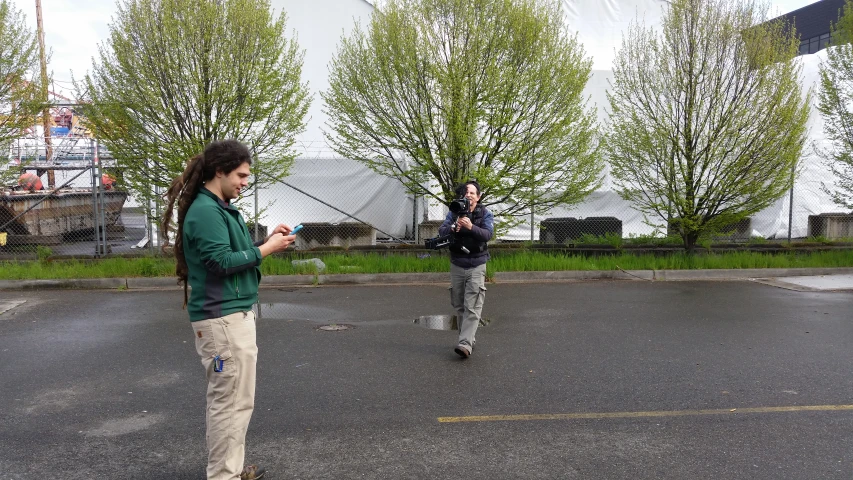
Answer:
(66, 205)
(339, 202)
(342, 204)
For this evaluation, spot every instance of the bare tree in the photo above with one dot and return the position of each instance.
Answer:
(708, 117)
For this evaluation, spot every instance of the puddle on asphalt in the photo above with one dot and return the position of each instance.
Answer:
(6, 306)
(443, 322)
(290, 311)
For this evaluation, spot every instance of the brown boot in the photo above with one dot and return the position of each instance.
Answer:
(252, 472)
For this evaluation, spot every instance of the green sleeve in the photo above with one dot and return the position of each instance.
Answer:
(209, 233)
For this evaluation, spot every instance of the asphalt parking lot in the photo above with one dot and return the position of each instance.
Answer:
(599, 379)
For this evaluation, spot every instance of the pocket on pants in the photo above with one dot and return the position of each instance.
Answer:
(212, 339)
(481, 297)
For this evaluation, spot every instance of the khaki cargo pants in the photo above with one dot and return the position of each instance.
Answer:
(231, 392)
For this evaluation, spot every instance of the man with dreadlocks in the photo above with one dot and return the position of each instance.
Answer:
(215, 255)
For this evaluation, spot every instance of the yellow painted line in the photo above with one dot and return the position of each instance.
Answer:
(661, 413)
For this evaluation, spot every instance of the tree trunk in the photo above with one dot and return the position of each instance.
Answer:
(690, 240)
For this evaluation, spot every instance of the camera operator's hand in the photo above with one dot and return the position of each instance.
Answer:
(465, 223)
(276, 242)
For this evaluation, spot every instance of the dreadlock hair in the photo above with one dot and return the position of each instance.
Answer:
(218, 156)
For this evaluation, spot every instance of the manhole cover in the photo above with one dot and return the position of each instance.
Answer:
(335, 327)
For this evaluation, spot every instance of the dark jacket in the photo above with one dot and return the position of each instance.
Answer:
(224, 264)
(475, 239)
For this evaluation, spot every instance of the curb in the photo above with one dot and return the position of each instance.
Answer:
(748, 273)
(273, 281)
(65, 284)
(573, 276)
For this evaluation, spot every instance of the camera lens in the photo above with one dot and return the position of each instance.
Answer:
(459, 206)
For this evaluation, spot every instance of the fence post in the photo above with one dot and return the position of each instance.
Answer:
(257, 192)
(257, 218)
(149, 222)
(103, 205)
(95, 215)
(791, 206)
(532, 223)
(150, 210)
(415, 217)
(157, 208)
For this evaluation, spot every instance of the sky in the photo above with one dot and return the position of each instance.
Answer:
(785, 6)
(75, 28)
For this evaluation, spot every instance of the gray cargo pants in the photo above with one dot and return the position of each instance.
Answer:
(467, 293)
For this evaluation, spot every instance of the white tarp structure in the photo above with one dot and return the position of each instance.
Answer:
(336, 184)
(384, 203)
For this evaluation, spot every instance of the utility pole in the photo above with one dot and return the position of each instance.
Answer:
(48, 148)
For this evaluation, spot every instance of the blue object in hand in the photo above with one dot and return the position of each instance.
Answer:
(296, 229)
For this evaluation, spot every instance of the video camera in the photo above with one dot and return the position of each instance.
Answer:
(460, 208)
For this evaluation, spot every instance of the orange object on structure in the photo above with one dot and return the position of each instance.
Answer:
(108, 181)
(30, 181)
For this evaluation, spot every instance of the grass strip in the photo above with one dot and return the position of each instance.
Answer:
(433, 262)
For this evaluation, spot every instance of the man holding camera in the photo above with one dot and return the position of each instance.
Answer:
(471, 228)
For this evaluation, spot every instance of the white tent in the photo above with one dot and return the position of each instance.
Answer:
(384, 203)
(331, 184)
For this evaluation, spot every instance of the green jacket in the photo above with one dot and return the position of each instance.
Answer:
(224, 264)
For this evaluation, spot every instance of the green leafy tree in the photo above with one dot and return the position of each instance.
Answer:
(708, 118)
(20, 86)
(836, 105)
(177, 74)
(441, 91)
